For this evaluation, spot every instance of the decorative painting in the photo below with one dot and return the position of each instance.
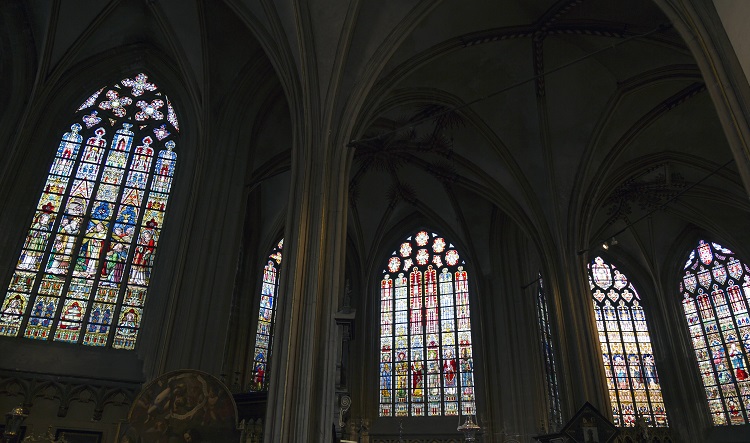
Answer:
(185, 405)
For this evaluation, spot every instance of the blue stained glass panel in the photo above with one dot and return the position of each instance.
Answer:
(76, 252)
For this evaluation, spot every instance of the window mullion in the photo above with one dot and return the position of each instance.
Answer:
(64, 197)
(82, 231)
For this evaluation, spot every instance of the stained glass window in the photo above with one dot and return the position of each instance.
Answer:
(633, 382)
(553, 396)
(426, 359)
(715, 291)
(266, 319)
(83, 273)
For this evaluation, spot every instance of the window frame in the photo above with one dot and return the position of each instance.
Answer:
(609, 375)
(471, 299)
(120, 304)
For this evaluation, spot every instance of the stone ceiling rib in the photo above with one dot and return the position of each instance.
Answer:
(49, 41)
(73, 52)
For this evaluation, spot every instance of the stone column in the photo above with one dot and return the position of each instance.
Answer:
(579, 357)
(301, 401)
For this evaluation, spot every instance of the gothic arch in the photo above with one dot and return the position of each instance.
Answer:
(242, 331)
(425, 331)
(525, 210)
(700, 27)
(57, 98)
(627, 348)
(714, 291)
(685, 241)
(106, 218)
(266, 323)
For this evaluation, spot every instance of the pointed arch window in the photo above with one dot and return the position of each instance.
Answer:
(629, 362)
(545, 331)
(426, 357)
(266, 319)
(715, 291)
(83, 273)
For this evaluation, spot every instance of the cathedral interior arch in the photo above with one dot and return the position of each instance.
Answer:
(529, 133)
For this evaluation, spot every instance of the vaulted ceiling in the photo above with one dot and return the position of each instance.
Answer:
(572, 118)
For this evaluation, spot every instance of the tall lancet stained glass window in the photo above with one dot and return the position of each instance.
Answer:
(82, 275)
(545, 332)
(426, 359)
(633, 382)
(266, 319)
(715, 291)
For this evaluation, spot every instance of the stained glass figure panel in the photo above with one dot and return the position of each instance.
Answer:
(715, 290)
(630, 370)
(426, 359)
(89, 235)
(266, 319)
(550, 372)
